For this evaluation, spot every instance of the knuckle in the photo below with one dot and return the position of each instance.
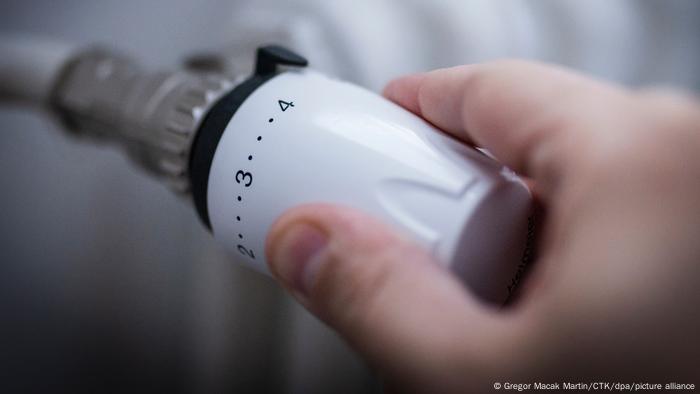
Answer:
(647, 130)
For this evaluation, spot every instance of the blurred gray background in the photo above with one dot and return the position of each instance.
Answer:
(108, 282)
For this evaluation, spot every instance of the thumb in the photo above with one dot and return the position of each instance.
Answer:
(396, 306)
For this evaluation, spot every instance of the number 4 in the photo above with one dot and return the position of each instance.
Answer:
(285, 105)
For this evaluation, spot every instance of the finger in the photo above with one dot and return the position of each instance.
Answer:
(395, 305)
(533, 118)
(404, 91)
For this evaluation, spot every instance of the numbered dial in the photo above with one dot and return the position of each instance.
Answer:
(282, 139)
(206, 141)
(302, 137)
(244, 179)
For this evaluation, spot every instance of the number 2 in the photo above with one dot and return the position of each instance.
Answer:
(246, 252)
(244, 176)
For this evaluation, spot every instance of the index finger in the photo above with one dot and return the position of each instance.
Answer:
(526, 114)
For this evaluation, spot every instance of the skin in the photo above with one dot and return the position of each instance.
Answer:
(614, 293)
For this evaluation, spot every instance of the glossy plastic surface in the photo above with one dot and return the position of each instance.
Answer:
(303, 137)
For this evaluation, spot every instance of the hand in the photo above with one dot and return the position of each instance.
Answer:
(614, 294)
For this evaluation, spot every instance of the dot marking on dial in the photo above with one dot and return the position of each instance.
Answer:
(283, 106)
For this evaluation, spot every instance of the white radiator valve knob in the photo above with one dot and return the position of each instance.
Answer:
(291, 136)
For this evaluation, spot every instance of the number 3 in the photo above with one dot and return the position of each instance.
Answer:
(246, 252)
(244, 176)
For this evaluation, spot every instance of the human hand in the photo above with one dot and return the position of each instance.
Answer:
(614, 294)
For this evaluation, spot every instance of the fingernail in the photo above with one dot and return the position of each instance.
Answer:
(297, 254)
